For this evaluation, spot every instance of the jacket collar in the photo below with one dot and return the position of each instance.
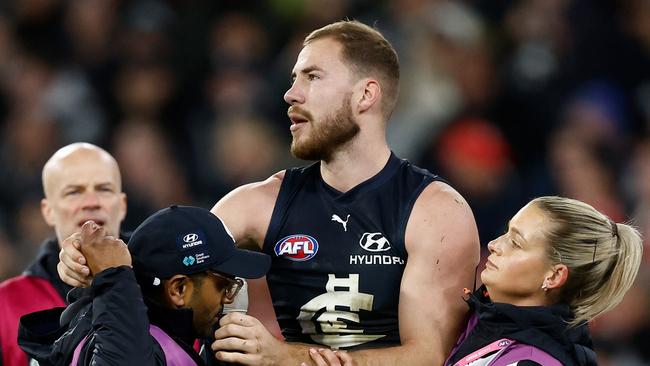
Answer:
(545, 327)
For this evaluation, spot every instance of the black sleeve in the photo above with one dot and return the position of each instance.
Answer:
(120, 321)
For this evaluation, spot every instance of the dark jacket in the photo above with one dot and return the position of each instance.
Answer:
(38, 288)
(544, 327)
(115, 318)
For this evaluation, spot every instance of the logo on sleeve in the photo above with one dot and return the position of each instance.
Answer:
(297, 248)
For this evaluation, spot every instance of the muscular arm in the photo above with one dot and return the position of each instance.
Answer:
(443, 252)
(247, 211)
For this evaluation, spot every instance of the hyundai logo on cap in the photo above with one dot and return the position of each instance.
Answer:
(189, 238)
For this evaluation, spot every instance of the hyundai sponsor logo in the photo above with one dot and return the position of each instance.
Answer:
(191, 237)
(375, 259)
(374, 242)
(190, 240)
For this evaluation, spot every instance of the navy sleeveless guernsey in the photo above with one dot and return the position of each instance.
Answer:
(338, 258)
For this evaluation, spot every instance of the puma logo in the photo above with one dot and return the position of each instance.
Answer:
(338, 219)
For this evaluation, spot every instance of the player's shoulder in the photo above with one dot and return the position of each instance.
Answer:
(267, 187)
(441, 211)
(272, 184)
(247, 210)
(251, 197)
(439, 193)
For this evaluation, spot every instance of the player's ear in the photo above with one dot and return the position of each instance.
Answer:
(370, 93)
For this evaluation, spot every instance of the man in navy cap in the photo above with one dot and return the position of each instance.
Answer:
(148, 303)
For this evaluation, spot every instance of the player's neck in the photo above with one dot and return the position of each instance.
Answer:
(351, 166)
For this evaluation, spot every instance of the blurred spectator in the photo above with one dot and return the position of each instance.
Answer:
(596, 114)
(37, 27)
(237, 40)
(580, 172)
(235, 151)
(534, 35)
(540, 33)
(7, 46)
(64, 95)
(90, 25)
(635, 19)
(28, 79)
(233, 92)
(474, 156)
(237, 85)
(152, 177)
(143, 90)
(28, 140)
(638, 191)
(587, 149)
(430, 95)
(145, 37)
(72, 102)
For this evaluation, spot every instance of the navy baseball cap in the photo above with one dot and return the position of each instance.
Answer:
(187, 240)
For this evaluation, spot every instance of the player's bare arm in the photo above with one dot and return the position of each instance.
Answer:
(443, 252)
(247, 210)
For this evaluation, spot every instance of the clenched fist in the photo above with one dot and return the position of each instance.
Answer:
(100, 250)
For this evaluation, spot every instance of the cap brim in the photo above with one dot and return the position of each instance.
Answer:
(245, 264)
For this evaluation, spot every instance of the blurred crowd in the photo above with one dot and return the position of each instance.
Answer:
(506, 99)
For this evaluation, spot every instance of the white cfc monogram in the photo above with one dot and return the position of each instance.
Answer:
(335, 332)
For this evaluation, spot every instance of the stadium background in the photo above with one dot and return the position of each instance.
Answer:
(506, 99)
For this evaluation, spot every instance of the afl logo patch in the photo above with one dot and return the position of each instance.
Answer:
(297, 248)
